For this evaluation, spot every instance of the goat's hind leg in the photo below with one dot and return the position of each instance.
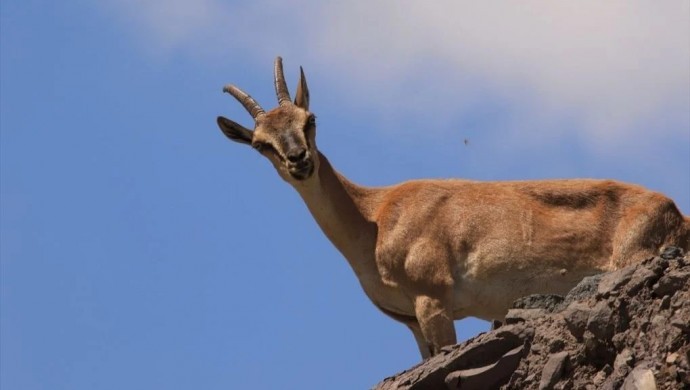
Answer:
(643, 233)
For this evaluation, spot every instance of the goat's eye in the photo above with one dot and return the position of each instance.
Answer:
(262, 146)
(312, 120)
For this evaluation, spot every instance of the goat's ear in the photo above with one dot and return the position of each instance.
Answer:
(235, 131)
(302, 96)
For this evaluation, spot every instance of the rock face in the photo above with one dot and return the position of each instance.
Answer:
(627, 329)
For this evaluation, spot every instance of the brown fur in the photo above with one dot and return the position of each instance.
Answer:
(427, 252)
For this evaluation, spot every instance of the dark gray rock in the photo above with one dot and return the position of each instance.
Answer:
(600, 321)
(641, 277)
(547, 302)
(583, 290)
(669, 284)
(575, 316)
(671, 252)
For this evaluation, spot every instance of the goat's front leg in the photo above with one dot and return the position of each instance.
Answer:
(424, 347)
(436, 324)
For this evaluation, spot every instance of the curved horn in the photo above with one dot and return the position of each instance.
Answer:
(247, 101)
(281, 87)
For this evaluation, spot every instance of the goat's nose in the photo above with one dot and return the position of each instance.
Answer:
(296, 154)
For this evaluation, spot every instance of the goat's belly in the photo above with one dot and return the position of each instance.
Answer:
(491, 298)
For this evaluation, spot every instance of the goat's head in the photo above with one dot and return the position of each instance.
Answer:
(285, 134)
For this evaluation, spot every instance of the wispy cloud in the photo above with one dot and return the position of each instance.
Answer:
(168, 24)
(611, 71)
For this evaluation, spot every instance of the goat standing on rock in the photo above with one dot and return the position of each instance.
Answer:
(427, 252)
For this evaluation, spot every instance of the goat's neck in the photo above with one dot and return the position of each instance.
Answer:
(341, 209)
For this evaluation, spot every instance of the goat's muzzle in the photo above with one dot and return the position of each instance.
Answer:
(299, 164)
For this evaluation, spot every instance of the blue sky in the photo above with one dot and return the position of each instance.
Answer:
(142, 250)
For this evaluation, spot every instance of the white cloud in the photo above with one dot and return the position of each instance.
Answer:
(611, 64)
(614, 67)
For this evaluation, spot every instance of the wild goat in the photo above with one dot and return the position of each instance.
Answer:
(427, 252)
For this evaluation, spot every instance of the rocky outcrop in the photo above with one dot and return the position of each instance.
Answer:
(627, 329)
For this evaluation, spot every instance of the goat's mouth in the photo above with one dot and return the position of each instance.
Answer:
(302, 170)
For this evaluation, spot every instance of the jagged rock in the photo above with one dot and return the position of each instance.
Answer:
(641, 378)
(623, 359)
(583, 290)
(553, 370)
(628, 329)
(640, 277)
(611, 281)
(498, 349)
(490, 376)
(669, 284)
(671, 358)
(547, 302)
(681, 320)
(576, 316)
(599, 321)
(671, 252)
(519, 315)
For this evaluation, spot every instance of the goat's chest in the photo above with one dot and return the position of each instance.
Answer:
(390, 298)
